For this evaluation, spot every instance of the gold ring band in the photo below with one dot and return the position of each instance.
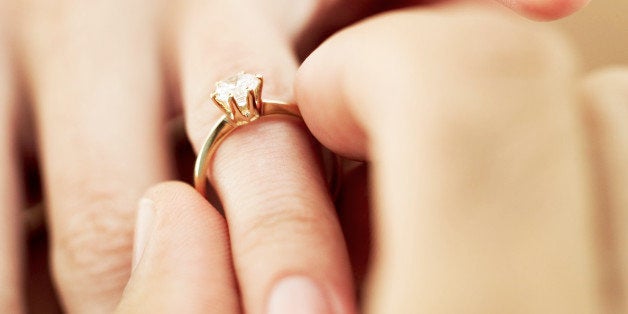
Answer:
(219, 132)
(240, 99)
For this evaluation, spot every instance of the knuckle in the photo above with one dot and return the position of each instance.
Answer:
(608, 80)
(280, 227)
(495, 64)
(605, 94)
(471, 79)
(477, 42)
(92, 248)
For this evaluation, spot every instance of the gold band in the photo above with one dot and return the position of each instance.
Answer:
(224, 127)
(240, 99)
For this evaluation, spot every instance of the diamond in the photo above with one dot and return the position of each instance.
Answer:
(238, 87)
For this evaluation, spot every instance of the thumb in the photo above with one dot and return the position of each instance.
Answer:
(181, 259)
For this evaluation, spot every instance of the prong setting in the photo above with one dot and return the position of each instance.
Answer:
(239, 97)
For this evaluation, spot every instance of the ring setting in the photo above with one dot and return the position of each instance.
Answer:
(240, 99)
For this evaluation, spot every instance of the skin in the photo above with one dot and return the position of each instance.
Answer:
(489, 213)
(285, 224)
(91, 180)
(10, 198)
(518, 197)
(433, 248)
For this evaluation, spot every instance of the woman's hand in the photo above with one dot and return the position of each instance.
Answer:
(497, 185)
(498, 170)
(96, 75)
(282, 224)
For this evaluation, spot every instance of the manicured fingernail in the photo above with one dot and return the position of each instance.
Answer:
(297, 294)
(143, 228)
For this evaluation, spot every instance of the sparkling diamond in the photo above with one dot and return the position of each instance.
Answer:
(237, 86)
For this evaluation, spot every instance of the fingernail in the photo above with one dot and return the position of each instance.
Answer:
(297, 294)
(143, 229)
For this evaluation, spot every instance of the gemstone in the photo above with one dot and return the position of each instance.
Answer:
(237, 87)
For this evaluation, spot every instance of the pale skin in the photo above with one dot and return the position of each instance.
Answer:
(483, 200)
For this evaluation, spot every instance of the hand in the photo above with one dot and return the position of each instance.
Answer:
(498, 170)
(284, 225)
(484, 170)
(475, 211)
(99, 102)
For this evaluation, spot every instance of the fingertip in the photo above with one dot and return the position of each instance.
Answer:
(547, 10)
(180, 211)
(174, 198)
(169, 192)
(321, 97)
(183, 259)
(173, 211)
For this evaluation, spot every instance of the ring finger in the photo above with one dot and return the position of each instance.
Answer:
(287, 245)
